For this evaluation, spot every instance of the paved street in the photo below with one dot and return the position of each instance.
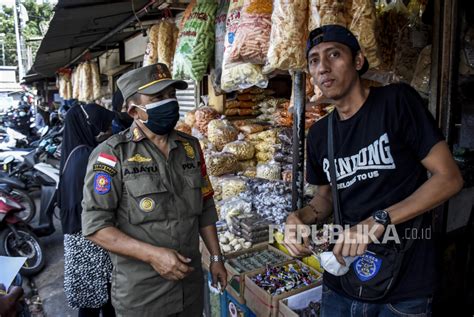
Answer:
(49, 282)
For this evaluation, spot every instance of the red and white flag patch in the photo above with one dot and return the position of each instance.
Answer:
(107, 159)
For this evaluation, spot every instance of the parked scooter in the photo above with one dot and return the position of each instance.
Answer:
(43, 176)
(16, 237)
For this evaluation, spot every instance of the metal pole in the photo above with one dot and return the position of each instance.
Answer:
(299, 100)
(3, 52)
(21, 71)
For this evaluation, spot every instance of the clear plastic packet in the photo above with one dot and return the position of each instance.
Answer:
(234, 206)
(217, 187)
(237, 76)
(151, 51)
(221, 163)
(363, 25)
(392, 20)
(253, 33)
(287, 175)
(166, 42)
(251, 128)
(203, 116)
(221, 18)
(271, 171)
(190, 118)
(324, 12)
(233, 186)
(422, 76)
(196, 42)
(220, 132)
(183, 127)
(287, 50)
(270, 199)
(95, 80)
(241, 149)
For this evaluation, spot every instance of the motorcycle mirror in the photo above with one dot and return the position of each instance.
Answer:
(9, 160)
(44, 130)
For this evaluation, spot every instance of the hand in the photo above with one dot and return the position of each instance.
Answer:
(295, 248)
(9, 302)
(170, 264)
(354, 243)
(219, 274)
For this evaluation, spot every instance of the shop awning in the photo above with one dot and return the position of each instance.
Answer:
(75, 26)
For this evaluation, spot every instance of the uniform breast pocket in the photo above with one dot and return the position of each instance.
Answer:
(148, 201)
(193, 192)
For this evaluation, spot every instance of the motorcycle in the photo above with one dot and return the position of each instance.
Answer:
(41, 176)
(16, 237)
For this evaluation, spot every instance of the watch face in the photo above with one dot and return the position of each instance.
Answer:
(381, 214)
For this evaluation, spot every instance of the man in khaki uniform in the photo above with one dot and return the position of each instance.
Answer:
(147, 198)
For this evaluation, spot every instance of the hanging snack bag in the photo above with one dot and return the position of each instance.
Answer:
(288, 36)
(166, 42)
(151, 52)
(221, 19)
(196, 42)
(363, 23)
(253, 33)
(237, 76)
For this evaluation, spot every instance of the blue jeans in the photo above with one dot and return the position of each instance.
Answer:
(335, 305)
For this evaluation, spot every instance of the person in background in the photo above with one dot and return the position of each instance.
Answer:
(87, 267)
(122, 120)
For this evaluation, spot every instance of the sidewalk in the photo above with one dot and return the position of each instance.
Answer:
(49, 282)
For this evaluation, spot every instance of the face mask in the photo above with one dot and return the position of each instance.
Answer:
(162, 116)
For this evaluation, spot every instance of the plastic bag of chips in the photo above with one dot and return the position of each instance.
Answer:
(221, 132)
(196, 42)
(253, 33)
(241, 149)
(236, 76)
(288, 37)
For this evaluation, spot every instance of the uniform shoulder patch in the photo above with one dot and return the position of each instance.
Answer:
(104, 168)
(102, 183)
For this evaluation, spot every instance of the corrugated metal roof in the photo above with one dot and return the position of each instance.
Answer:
(75, 26)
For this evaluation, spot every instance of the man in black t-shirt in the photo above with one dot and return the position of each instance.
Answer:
(385, 142)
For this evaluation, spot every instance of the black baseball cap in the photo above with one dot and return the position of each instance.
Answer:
(148, 80)
(335, 33)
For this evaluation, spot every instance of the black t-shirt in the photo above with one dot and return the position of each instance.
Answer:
(378, 153)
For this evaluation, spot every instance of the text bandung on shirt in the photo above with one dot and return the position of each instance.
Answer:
(377, 156)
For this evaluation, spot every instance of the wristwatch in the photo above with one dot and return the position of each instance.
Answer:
(217, 258)
(382, 217)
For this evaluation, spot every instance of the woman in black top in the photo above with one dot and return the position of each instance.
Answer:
(87, 266)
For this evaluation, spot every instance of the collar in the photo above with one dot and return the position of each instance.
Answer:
(137, 135)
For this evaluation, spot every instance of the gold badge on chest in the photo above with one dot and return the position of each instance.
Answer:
(147, 204)
(189, 150)
(138, 158)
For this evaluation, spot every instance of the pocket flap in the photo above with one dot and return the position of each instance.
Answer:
(145, 186)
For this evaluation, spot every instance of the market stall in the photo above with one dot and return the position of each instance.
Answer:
(247, 59)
